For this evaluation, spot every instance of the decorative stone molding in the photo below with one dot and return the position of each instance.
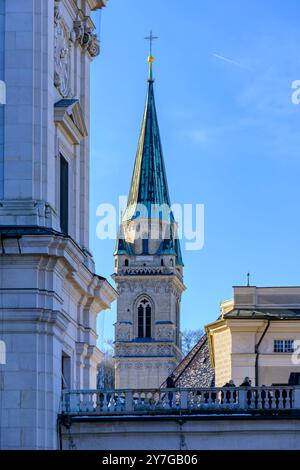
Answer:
(150, 270)
(97, 4)
(68, 115)
(164, 350)
(164, 333)
(27, 212)
(151, 363)
(62, 53)
(91, 43)
(49, 243)
(122, 333)
(78, 31)
(141, 350)
(84, 36)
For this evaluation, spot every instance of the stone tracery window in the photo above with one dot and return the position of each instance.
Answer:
(144, 318)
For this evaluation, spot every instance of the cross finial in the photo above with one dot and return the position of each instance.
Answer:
(150, 38)
(248, 279)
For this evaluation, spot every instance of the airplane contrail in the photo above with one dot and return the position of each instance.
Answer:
(230, 61)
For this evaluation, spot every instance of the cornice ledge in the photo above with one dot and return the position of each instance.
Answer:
(37, 315)
(95, 353)
(105, 292)
(97, 4)
(68, 115)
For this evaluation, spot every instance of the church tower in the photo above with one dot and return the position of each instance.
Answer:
(148, 268)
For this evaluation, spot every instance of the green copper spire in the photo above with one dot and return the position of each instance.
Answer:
(149, 182)
(149, 185)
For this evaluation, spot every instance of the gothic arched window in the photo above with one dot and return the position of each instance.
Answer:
(144, 319)
(126, 262)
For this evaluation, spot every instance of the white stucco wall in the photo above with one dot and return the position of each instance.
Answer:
(222, 355)
(198, 434)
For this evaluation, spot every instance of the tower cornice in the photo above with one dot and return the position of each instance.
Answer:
(171, 279)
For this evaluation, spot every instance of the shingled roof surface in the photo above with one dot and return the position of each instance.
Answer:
(195, 370)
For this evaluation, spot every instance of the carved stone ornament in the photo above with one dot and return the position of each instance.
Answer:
(164, 333)
(94, 46)
(62, 54)
(123, 334)
(78, 30)
(86, 38)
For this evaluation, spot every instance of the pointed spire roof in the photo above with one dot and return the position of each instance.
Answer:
(149, 186)
(149, 181)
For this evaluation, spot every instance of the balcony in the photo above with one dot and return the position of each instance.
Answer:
(206, 401)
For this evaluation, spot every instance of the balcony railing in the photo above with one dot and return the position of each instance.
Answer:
(178, 401)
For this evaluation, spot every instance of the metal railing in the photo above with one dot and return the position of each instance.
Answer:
(160, 401)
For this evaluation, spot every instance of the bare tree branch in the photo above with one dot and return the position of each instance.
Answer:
(189, 339)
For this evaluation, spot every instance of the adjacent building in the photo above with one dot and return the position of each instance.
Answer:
(257, 335)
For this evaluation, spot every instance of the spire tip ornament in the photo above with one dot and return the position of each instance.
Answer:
(150, 38)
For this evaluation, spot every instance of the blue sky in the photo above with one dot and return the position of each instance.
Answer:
(230, 134)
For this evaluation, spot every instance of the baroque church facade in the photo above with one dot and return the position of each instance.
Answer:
(50, 293)
(148, 268)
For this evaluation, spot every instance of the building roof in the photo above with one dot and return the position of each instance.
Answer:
(261, 313)
(195, 370)
(149, 181)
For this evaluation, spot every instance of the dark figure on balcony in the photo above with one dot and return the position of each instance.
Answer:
(228, 393)
(246, 382)
(171, 384)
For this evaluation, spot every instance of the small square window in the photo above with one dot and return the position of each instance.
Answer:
(284, 345)
(289, 345)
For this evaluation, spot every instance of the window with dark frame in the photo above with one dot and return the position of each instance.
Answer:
(144, 319)
(284, 345)
(148, 322)
(145, 246)
(65, 371)
(64, 195)
(140, 321)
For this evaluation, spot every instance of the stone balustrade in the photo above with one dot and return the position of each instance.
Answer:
(178, 401)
